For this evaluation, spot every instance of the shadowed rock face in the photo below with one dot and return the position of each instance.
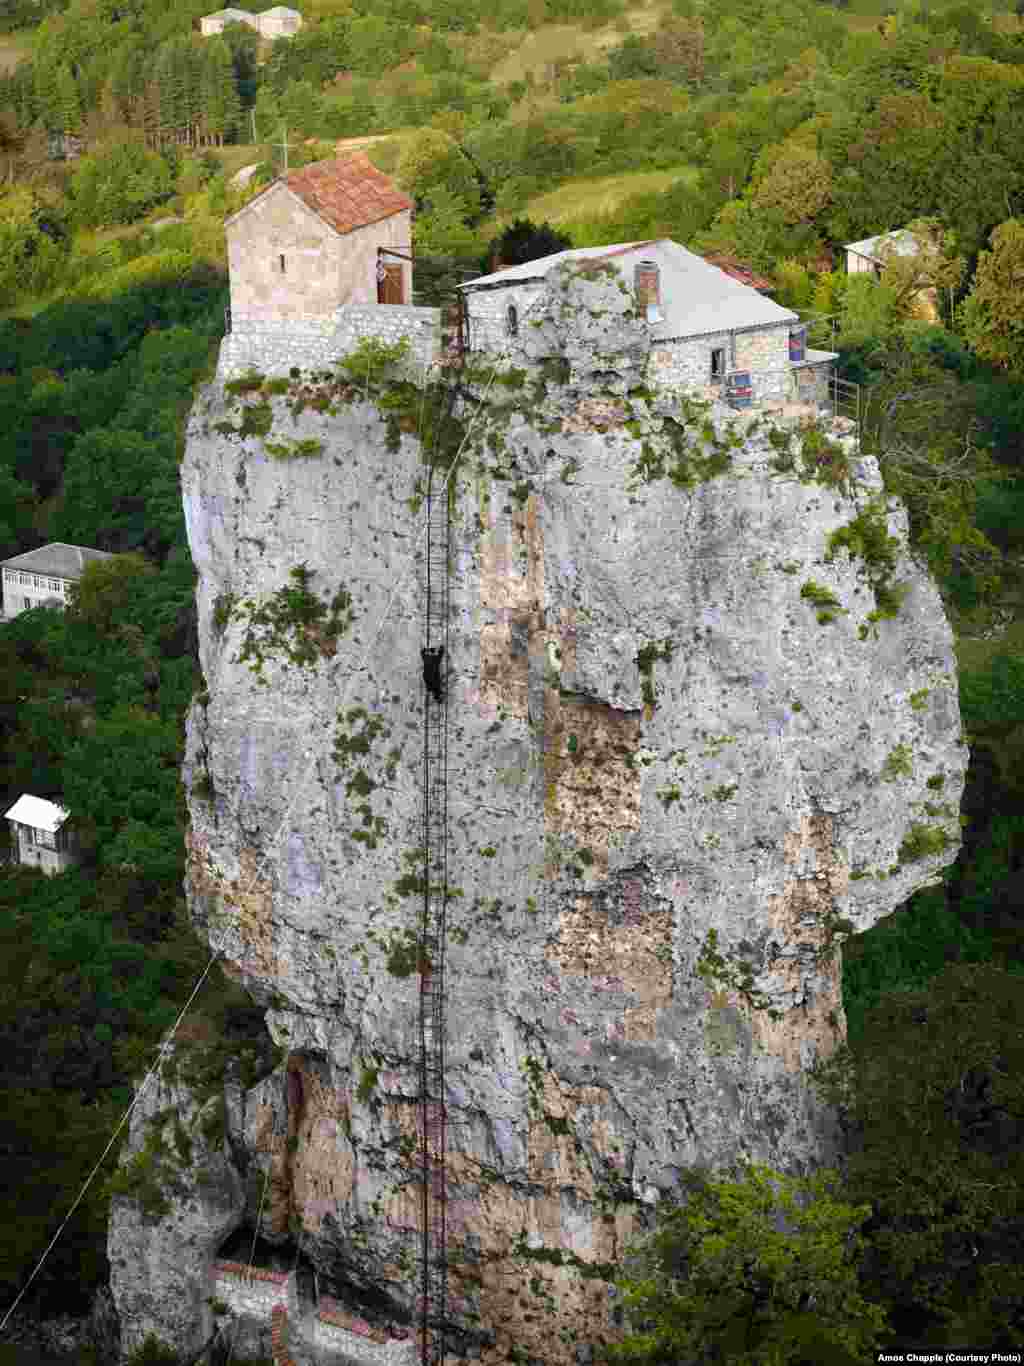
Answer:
(651, 737)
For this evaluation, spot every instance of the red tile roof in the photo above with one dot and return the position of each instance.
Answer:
(736, 270)
(348, 192)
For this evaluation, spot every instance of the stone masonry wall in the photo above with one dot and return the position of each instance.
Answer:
(323, 269)
(335, 1330)
(276, 225)
(685, 362)
(487, 311)
(678, 363)
(273, 348)
(254, 1292)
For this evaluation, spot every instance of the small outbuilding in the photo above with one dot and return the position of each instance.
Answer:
(43, 577)
(333, 233)
(869, 257)
(218, 22)
(279, 22)
(40, 836)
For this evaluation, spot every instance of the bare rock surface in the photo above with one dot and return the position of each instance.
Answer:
(672, 791)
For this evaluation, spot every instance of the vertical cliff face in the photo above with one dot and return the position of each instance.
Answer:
(684, 759)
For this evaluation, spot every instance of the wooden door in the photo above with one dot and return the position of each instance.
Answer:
(389, 287)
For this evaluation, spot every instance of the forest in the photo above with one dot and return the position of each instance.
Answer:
(773, 132)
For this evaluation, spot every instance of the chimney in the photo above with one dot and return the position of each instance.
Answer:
(646, 283)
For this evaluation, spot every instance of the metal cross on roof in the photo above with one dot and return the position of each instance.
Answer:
(285, 144)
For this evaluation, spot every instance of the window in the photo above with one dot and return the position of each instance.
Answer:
(46, 838)
(282, 263)
(26, 603)
(718, 363)
(512, 320)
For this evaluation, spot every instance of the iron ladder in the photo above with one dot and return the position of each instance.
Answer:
(432, 1119)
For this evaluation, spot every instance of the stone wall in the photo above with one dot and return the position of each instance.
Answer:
(684, 363)
(487, 314)
(334, 1329)
(273, 348)
(323, 269)
(252, 1291)
(679, 363)
(277, 226)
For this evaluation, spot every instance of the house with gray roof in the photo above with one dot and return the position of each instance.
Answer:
(869, 257)
(711, 336)
(40, 835)
(43, 577)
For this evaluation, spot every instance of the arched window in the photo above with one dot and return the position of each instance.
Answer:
(512, 320)
(646, 285)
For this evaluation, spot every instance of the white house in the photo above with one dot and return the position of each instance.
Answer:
(43, 577)
(711, 335)
(862, 257)
(868, 256)
(279, 22)
(216, 23)
(40, 837)
(320, 258)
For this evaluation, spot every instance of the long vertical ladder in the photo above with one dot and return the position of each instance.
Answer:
(434, 1266)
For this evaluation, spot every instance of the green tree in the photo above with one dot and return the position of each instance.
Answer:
(758, 1270)
(299, 104)
(69, 107)
(30, 260)
(797, 187)
(933, 1097)
(524, 241)
(992, 316)
(432, 160)
(122, 776)
(106, 588)
(118, 185)
(222, 109)
(443, 231)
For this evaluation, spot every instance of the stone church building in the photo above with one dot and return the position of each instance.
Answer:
(320, 258)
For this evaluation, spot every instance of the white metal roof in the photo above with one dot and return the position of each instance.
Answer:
(281, 12)
(696, 297)
(58, 558)
(37, 812)
(230, 14)
(903, 242)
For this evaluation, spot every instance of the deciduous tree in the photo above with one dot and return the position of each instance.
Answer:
(760, 1270)
(992, 315)
(798, 185)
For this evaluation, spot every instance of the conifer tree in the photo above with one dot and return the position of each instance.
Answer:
(68, 102)
(221, 106)
(47, 94)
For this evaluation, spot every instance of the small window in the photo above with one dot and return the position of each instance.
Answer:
(282, 264)
(512, 320)
(718, 362)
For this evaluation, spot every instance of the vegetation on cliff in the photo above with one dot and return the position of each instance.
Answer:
(804, 126)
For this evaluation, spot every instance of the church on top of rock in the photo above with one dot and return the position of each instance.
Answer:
(333, 233)
(317, 260)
